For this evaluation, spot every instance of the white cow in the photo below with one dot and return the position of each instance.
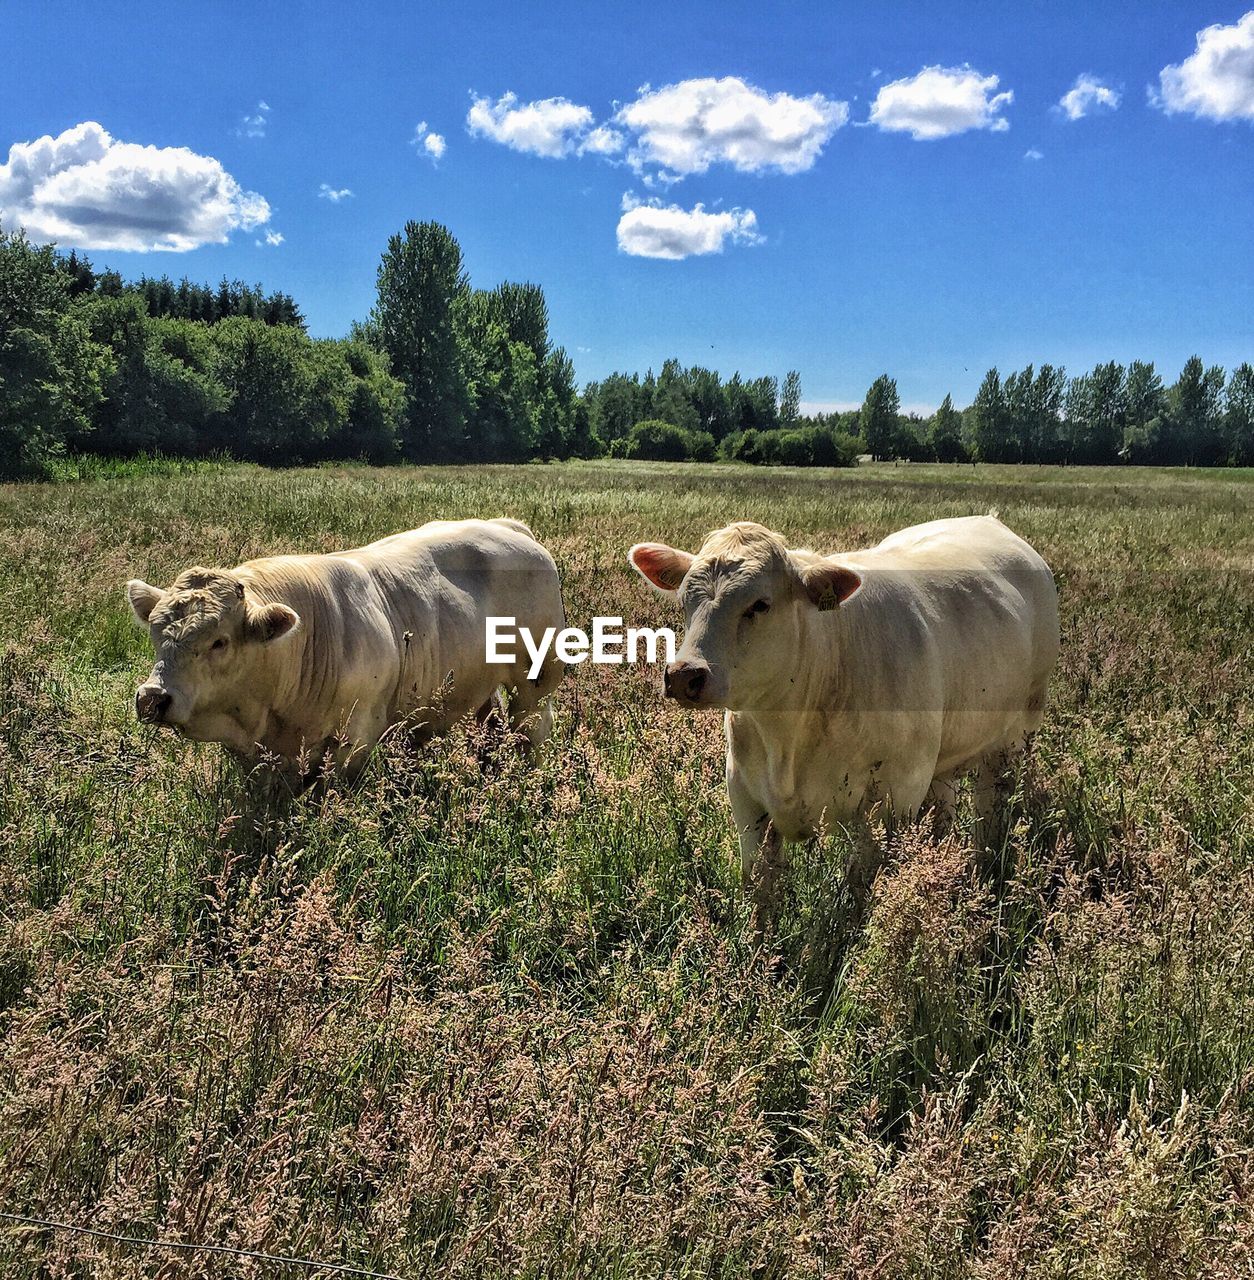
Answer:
(299, 654)
(872, 677)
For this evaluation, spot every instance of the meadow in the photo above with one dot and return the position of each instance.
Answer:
(468, 1018)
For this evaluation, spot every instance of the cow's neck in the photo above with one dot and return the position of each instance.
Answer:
(265, 706)
(792, 717)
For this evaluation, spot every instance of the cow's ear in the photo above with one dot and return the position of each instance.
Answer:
(659, 565)
(828, 584)
(270, 622)
(143, 599)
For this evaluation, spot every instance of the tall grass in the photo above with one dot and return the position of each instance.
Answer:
(470, 1019)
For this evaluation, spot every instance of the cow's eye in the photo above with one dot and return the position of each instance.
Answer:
(758, 606)
(219, 644)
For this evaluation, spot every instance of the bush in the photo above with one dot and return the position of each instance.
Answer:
(797, 447)
(658, 441)
(701, 446)
(742, 446)
(768, 448)
(836, 449)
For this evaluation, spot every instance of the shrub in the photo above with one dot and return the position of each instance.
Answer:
(796, 448)
(659, 441)
(836, 449)
(701, 446)
(742, 446)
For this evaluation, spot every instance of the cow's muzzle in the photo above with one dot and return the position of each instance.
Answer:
(151, 704)
(686, 681)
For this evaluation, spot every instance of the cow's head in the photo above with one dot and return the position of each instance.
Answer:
(747, 599)
(208, 637)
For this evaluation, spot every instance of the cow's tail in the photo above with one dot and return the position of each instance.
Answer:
(517, 525)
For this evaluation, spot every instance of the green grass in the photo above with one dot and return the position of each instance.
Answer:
(470, 1019)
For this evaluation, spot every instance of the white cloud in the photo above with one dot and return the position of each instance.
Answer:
(253, 125)
(602, 141)
(334, 194)
(272, 239)
(1216, 81)
(84, 188)
(651, 229)
(940, 102)
(551, 127)
(684, 128)
(1033, 154)
(1087, 95)
(429, 143)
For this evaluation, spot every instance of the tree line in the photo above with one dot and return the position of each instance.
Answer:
(1113, 414)
(441, 371)
(186, 300)
(85, 367)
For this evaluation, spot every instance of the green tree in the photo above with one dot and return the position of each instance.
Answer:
(1048, 393)
(1145, 403)
(762, 400)
(1194, 433)
(790, 399)
(289, 396)
(1239, 417)
(878, 420)
(709, 400)
(422, 287)
(992, 435)
(1019, 391)
(160, 393)
(557, 406)
(525, 314)
(376, 407)
(50, 369)
(1095, 415)
(614, 406)
(944, 433)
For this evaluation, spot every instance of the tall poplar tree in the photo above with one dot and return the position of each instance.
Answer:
(422, 287)
(878, 419)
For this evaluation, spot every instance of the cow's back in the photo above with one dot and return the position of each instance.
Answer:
(957, 619)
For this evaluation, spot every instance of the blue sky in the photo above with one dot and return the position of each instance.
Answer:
(868, 214)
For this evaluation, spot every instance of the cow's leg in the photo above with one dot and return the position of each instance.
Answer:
(492, 712)
(994, 785)
(530, 713)
(902, 796)
(865, 859)
(761, 854)
(942, 801)
(492, 718)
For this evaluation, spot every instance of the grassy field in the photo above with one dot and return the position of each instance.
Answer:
(469, 1019)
